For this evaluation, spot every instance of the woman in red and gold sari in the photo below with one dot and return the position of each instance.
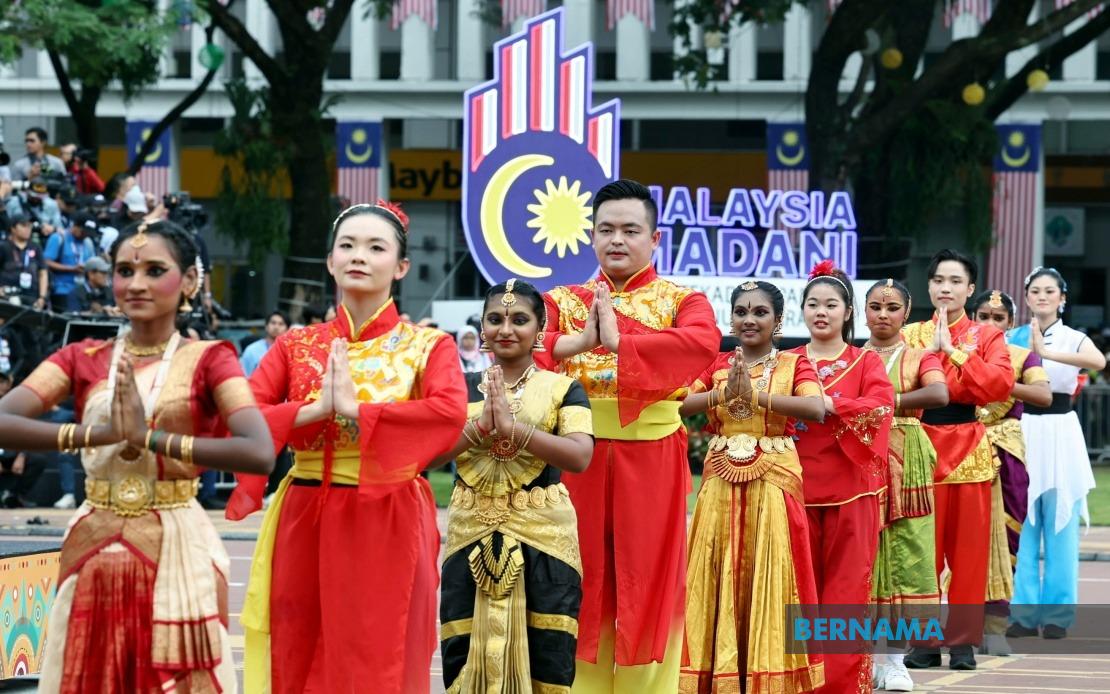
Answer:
(141, 604)
(342, 593)
(844, 463)
(749, 553)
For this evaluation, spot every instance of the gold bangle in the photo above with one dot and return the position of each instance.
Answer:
(755, 398)
(472, 438)
(88, 436)
(528, 437)
(187, 449)
(146, 441)
(897, 401)
(69, 441)
(166, 449)
(62, 438)
(768, 401)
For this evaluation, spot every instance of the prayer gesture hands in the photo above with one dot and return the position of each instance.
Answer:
(1036, 337)
(608, 332)
(739, 382)
(343, 399)
(128, 418)
(942, 338)
(497, 404)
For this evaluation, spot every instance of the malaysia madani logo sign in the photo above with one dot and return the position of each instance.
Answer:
(534, 151)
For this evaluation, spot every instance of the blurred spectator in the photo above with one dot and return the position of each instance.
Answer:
(330, 313)
(18, 471)
(35, 141)
(313, 315)
(116, 188)
(276, 325)
(94, 291)
(472, 359)
(84, 174)
(67, 204)
(65, 153)
(66, 255)
(36, 203)
(23, 265)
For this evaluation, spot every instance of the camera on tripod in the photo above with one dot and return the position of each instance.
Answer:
(184, 212)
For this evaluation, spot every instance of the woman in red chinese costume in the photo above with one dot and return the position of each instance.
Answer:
(749, 542)
(342, 592)
(844, 462)
(141, 603)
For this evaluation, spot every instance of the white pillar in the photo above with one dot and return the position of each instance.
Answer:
(260, 24)
(1016, 60)
(1082, 66)
(1038, 208)
(44, 69)
(741, 53)
(578, 25)
(365, 47)
(797, 45)
(852, 66)
(470, 58)
(197, 42)
(633, 49)
(417, 46)
(965, 26)
(165, 61)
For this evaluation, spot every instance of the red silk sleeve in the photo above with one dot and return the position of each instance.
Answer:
(651, 366)
(804, 373)
(863, 431)
(704, 382)
(987, 376)
(270, 386)
(929, 362)
(399, 439)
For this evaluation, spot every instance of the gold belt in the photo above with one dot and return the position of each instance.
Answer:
(134, 495)
(734, 458)
(493, 510)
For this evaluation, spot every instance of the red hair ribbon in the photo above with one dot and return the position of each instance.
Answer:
(395, 209)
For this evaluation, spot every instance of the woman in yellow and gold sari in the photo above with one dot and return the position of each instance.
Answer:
(141, 604)
(749, 555)
(512, 573)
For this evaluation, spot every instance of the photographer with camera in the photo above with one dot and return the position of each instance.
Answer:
(94, 292)
(32, 198)
(23, 266)
(66, 255)
(35, 141)
(80, 163)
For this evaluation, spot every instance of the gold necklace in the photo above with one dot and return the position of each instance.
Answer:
(141, 351)
(882, 350)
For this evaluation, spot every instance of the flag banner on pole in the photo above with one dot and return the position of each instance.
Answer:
(511, 10)
(1016, 165)
(980, 8)
(644, 9)
(425, 9)
(787, 161)
(358, 147)
(154, 177)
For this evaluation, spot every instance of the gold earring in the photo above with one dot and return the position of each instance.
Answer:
(777, 333)
(185, 307)
(538, 347)
(484, 347)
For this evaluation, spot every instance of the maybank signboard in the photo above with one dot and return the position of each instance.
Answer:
(536, 147)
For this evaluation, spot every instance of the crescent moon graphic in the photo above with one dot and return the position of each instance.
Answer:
(359, 158)
(1016, 162)
(153, 156)
(493, 203)
(790, 161)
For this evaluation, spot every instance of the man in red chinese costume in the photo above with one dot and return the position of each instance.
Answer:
(978, 372)
(634, 341)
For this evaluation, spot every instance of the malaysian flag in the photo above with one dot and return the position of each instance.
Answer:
(1016, 167)
(787, 161)
(644, 9)
(358, 146)
(425, 9)
(980, 8)
(1091, 13)
(511, 10)
(154, 177)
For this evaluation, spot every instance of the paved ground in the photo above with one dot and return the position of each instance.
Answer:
(1062, 674)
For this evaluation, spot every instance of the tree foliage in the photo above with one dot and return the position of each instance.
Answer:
(903, 138)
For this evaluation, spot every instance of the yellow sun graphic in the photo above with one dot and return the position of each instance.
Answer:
(562, 217)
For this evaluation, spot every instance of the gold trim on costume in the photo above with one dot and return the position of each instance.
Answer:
(48, 381)
(575, 419)
(553, 622)
(233, 395)
(458, 627)
(978, 466)
(495, 573)
(134, 495)
(545, 688)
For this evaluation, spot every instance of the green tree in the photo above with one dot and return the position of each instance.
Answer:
(295, 79)
(905, 139)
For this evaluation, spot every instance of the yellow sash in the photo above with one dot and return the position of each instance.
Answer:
(658, 420)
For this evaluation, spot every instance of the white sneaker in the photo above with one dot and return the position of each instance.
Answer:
(67, 501)
(897, 679)
(878, 674)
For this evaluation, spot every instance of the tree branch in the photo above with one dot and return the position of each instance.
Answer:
(336, 18)
(63, 81)
(296, 21)
(230, 25)
(176, 112)
(1004, 96)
